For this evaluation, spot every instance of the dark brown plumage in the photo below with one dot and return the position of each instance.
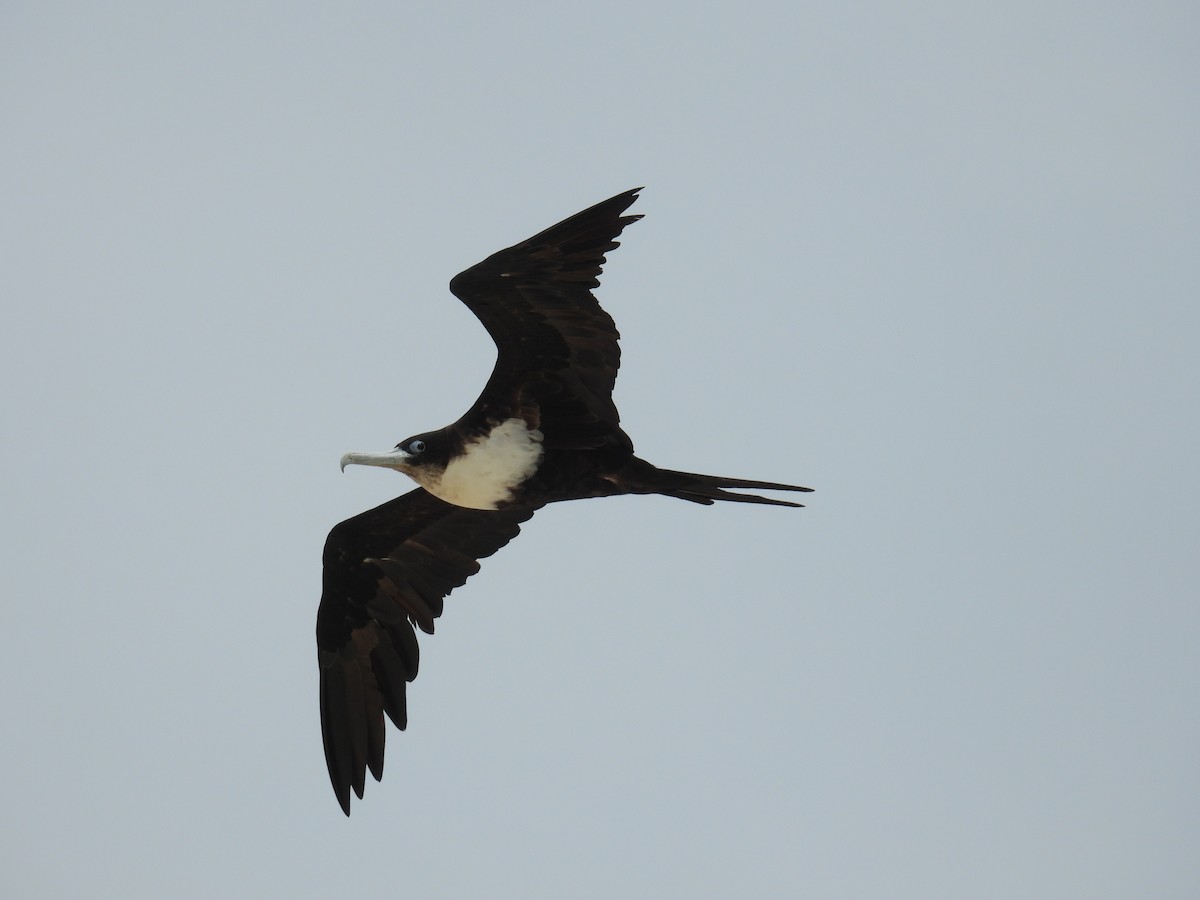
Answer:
(544, 429)
(384, 571)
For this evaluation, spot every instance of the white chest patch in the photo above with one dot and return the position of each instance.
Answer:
(491, 468)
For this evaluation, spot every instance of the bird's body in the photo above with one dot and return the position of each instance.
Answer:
(545, 429)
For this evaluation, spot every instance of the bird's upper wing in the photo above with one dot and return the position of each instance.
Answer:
(558, 353)
(385, 570)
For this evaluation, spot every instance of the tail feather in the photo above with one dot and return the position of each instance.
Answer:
(707, 489)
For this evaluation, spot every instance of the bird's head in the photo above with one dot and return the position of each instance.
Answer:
(421, 457)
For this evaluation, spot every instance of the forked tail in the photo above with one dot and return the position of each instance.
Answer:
(707, 489)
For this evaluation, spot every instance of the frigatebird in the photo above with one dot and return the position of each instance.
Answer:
(544, 429)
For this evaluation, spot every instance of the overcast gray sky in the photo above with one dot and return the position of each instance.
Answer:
(936, 260)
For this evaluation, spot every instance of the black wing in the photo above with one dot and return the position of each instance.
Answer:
(386, 570)
(558, 353)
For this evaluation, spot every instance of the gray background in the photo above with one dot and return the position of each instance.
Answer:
(937, 260)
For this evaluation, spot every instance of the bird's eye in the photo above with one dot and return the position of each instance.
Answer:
(416, 447)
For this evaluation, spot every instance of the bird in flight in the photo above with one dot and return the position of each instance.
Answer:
(544, 429)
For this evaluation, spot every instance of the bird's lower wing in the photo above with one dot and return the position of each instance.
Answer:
(384, 571)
